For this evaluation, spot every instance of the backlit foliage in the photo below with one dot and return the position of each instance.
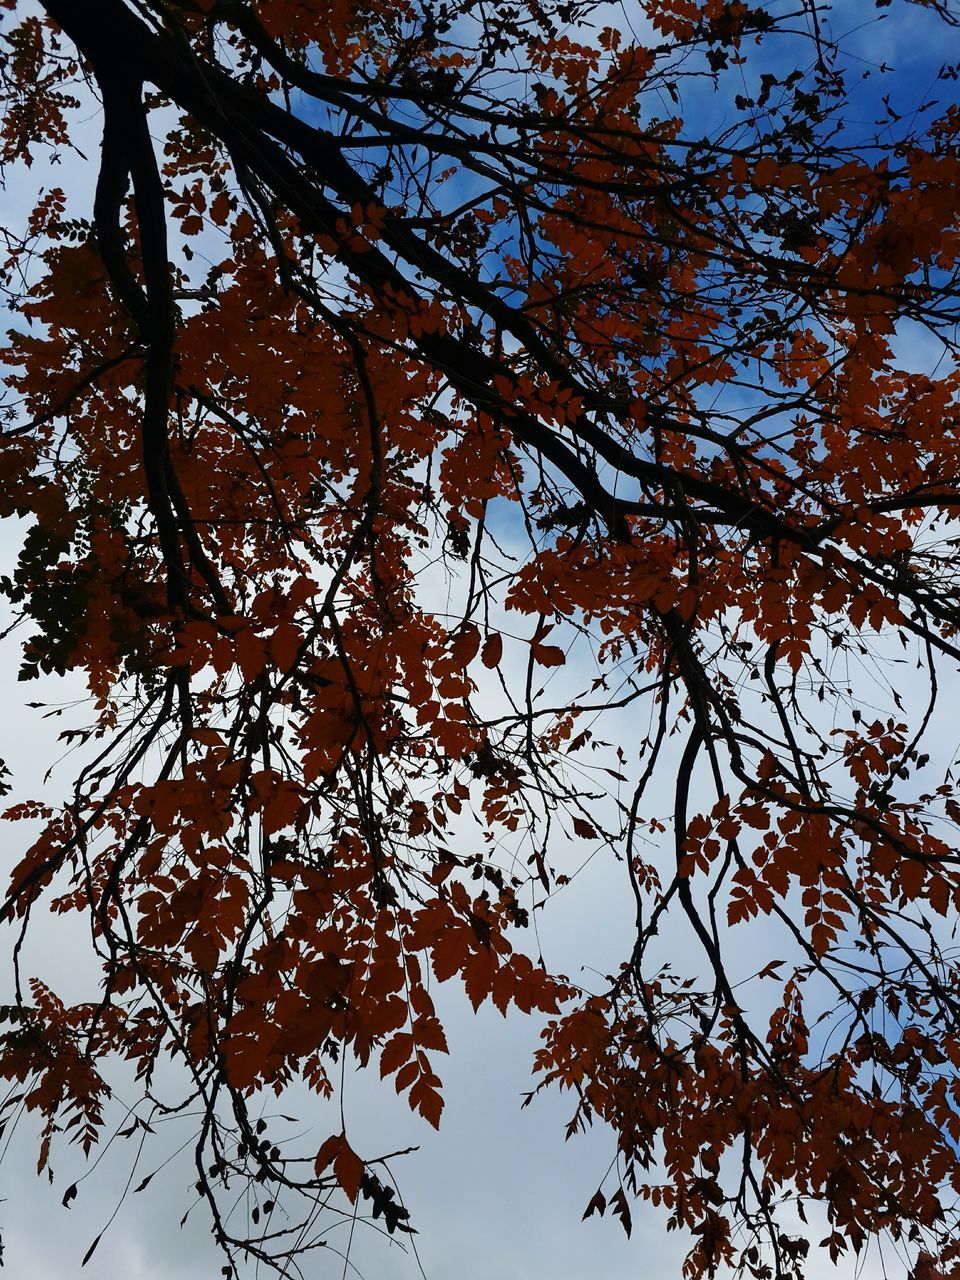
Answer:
(591, 324)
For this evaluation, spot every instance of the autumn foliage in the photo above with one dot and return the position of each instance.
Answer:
(410, 390)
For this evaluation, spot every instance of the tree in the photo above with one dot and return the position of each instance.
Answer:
(368, 286)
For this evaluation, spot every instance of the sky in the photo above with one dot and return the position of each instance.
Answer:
(497, 1192)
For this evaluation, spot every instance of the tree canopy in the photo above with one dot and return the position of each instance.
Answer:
(415, 394)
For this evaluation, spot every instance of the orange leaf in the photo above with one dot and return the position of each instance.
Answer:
(765, 172)
(791, 175)
(738, 169)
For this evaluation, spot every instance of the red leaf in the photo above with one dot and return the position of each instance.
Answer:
(548, 655)
(284, 645)
(406, 1076)
(596, 1205)
(427, 1101)
(622, 1210)
(327, 1153)
(250, 653)
(348, 1168)
(395, 1053)
(450, 952)
(492, 650)
(465, 644)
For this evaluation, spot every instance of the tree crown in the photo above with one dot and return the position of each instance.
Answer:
(605, 329)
